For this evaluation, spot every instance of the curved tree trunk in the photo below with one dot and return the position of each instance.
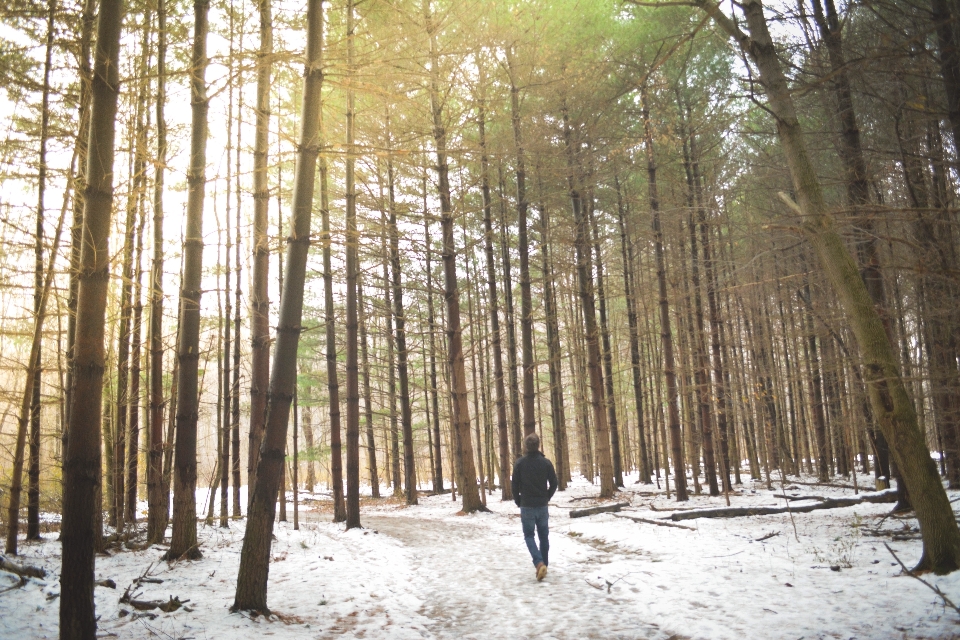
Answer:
(891, 403)
(251, 591)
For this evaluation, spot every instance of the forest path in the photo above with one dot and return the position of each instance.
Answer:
(475, 578)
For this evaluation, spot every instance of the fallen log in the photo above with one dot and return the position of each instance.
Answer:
(830, 503)
(656, 522)
(609, 508)
(24, 571)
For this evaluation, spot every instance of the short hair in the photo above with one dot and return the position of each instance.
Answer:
(531, 443)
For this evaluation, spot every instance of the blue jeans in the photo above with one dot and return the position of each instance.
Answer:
(531, 517)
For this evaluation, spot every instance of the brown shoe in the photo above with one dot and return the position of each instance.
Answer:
(541, 571)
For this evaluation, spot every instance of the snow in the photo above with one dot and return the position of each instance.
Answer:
(426, 572)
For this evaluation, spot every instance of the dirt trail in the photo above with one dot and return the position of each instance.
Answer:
(475, 579)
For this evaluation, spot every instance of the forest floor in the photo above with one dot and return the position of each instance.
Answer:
(425, 572)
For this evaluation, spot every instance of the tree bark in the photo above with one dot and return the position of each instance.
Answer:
(353, 269)
(33, 489)
(81, 468)
(666, 335)
(516, 435)
(367, 397)
(589, 314)
(259, 301)
(458, 382)
(333, 385)
(503, 430)
(606, 354)
(406, 419)
(251, 593)
(431, 329)
(526, 303)
(156, 497)
(626, 250)
(183, 541)
(561, 446)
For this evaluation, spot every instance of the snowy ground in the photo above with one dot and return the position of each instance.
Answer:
(424, 572)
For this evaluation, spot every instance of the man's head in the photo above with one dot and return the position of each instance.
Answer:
(531, 444)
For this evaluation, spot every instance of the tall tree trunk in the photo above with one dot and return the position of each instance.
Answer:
(81, 467)
(251, 591)
(394, 433)
(307, 418)
(225, 386)
(477, 350)
(431, 329)
(333, 385)
(891, 403)
(589, 315)
(626, 251)
(406, 420)
(514, 384)
(606, 354)
(33, 363)
(666, 335)
(458, 382)
(353, 268)
(701, 371)
(526, 303)
(367, 397)
(561, 447)
(503, 432)
(235, 392)
(87, 20)
(133, 439)
(33, 489)
(156, 497)
(259, 301)
(183, 541)
(709, 273)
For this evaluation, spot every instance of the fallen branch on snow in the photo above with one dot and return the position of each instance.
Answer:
(580, 513)
(830, 503)
(24, 571)
(933, 588)
(656, 522)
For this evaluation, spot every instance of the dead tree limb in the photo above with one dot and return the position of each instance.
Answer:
(932, 587)
(656, 522)
(609, 508)
(24, 571)
(830, 503)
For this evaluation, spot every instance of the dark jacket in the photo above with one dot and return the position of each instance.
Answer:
(534, 480)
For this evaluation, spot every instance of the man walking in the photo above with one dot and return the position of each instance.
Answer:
(534, 483)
